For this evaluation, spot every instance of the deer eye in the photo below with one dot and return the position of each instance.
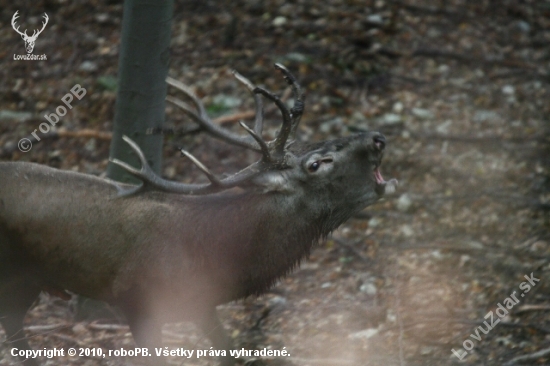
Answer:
(314, 166)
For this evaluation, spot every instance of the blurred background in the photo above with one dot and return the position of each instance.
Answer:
(461, 90)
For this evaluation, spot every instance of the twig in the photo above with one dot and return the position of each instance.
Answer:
(349, 247)
(524, 325)
(534, 307)
(233, 118)
(117, 327)
(438, 319)
(529, 357)
(48, 327)
(85, 133)
(459, 247)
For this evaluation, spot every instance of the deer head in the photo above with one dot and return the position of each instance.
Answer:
(29, 40)
(279, 157)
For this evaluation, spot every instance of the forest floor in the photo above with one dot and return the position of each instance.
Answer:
(461, 90)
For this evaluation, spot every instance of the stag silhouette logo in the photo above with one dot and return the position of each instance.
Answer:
(29, 40)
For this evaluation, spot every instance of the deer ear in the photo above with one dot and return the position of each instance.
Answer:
(272, 182)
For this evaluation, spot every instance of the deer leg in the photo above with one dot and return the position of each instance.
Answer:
(213, 329)
(16, 297)
(147, 332)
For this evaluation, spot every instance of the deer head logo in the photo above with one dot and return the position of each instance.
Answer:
(29, 40)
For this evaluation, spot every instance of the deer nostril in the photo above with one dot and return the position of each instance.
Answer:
(379, 142)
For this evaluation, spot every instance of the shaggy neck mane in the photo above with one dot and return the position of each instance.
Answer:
(271, 241)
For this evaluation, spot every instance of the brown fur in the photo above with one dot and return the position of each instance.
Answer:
(167, 257)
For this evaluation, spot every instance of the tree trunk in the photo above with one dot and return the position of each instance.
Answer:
(141, 93)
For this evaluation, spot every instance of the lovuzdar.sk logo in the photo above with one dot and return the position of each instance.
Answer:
(29, 40)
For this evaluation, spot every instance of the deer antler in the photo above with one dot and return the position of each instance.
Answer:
(299, 98)
(273, 152)
(291, 118)
(202, 119)
(151, 179)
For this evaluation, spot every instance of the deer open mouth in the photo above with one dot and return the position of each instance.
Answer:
(383, 186)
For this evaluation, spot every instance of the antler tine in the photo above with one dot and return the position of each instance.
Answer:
(149, 177)
(259, 115)
(264, 148)
(189, 93)
(145, 172)
(202, 167)
(299, 97)
(202, 117)
(153, 180)
(282, 137)
(212, 128)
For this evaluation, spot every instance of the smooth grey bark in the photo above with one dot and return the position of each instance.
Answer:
(141, 93)
(143, 67)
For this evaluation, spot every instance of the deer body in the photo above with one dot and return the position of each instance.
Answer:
(163, 256)
(77, 235)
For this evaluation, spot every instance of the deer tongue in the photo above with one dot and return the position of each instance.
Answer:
(389, 185)
(378, 176)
